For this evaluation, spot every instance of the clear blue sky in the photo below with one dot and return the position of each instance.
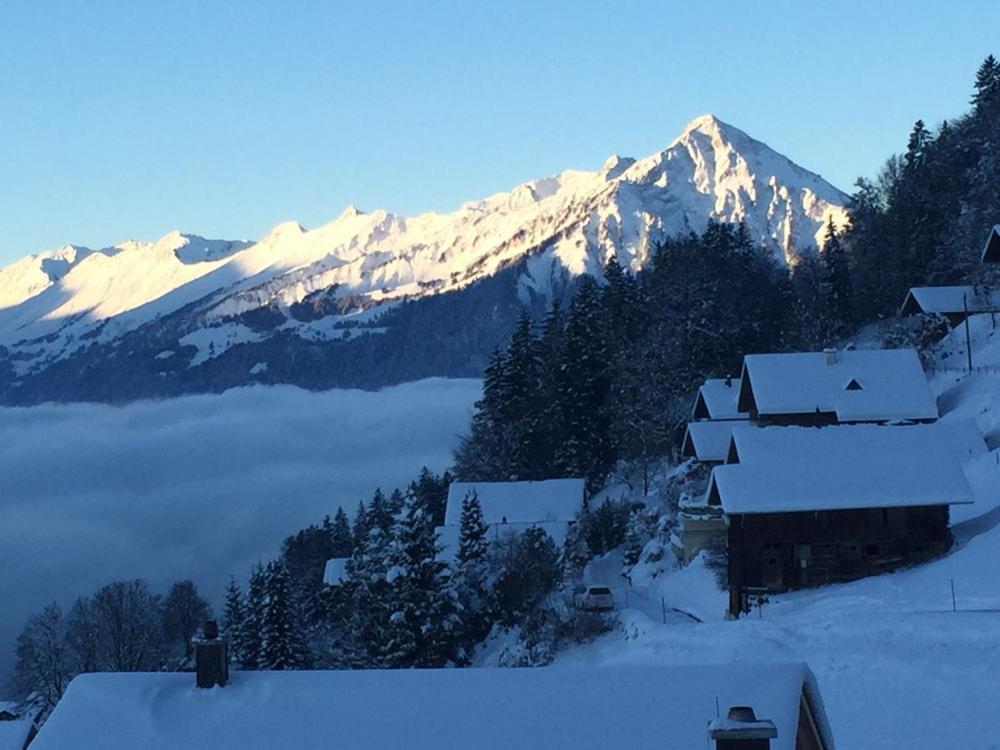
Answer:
(128, 119)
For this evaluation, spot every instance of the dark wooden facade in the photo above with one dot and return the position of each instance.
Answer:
(770, 552)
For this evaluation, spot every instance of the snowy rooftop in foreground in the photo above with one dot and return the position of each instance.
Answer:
(519, 502)
(641, 708)
(786, 469)
(717, 399)
(709, 441)
(871, 385)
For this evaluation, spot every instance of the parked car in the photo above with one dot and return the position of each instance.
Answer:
(595, 599)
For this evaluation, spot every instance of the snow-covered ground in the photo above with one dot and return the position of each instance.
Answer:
(897, 667)
(198, 487)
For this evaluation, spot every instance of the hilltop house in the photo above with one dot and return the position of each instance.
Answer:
(954, 303)
(836, 387)
(551, 504)
(764, 707)
(806, 506)
(991, 251)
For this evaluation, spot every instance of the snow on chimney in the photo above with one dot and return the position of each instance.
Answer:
(831, 356)
(742, 730)
(211, 656)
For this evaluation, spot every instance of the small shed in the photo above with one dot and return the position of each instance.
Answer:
(648, 707)
(831, 387)
(991, 251)
(806, 506)
(954, 303)
(717, 399)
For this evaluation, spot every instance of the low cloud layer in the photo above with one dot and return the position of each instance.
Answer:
(197, 487)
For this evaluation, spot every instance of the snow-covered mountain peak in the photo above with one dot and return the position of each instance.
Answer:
(350, 212)
(706, 123)
(294, 282)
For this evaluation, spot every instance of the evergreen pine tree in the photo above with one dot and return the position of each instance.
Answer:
(341, 539)
(233, 617)
(835, 283)
(252, 632)
(422, 621)
(469, 579)
(359, 532)
(281, 636)
(582, 390)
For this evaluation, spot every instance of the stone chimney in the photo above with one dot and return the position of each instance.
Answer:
(831, 356)
(742, 730)
(211, 656)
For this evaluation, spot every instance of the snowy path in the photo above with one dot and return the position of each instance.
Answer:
(897, 668)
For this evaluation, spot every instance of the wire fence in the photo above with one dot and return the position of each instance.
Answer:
(977, 369)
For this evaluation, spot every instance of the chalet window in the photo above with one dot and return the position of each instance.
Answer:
(854, 385)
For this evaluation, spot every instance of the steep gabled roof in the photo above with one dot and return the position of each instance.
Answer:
(717, 399)
(709, 440)
(991, 251)
(519, 502)
(641, 708)
(893, 386)
(947, 300)
(789, 469)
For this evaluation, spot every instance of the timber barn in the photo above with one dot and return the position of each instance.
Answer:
(807, 506)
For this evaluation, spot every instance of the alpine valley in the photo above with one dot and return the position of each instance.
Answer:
(373, 299)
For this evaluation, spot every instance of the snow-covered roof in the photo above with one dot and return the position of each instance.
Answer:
(448, 536)
(336, 571)
(991, 251)
(641, 708)
(787, 469)
(948, 300)
(717, 399)
(519, 502)
(855, 385)
(708, 441)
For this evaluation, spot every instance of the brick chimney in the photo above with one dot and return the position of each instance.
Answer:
(742, 730)
(211, 656)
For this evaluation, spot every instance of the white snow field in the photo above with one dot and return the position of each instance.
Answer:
(897, 667)
(198, 487)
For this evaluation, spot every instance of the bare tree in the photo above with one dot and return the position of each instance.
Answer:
(43, 667)
(184, 611)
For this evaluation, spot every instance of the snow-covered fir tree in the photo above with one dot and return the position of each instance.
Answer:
(252, 631)
(233, 618)
(422, 619)
(282, 645)
(470, 578)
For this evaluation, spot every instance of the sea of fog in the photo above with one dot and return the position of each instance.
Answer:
(197, 487)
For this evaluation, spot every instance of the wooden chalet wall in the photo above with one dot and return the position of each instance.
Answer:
(781, 551)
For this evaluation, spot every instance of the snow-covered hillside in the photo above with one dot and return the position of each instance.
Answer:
(311, 285)
(897, 667)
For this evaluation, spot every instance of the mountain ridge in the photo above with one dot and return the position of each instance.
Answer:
(57, 306)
